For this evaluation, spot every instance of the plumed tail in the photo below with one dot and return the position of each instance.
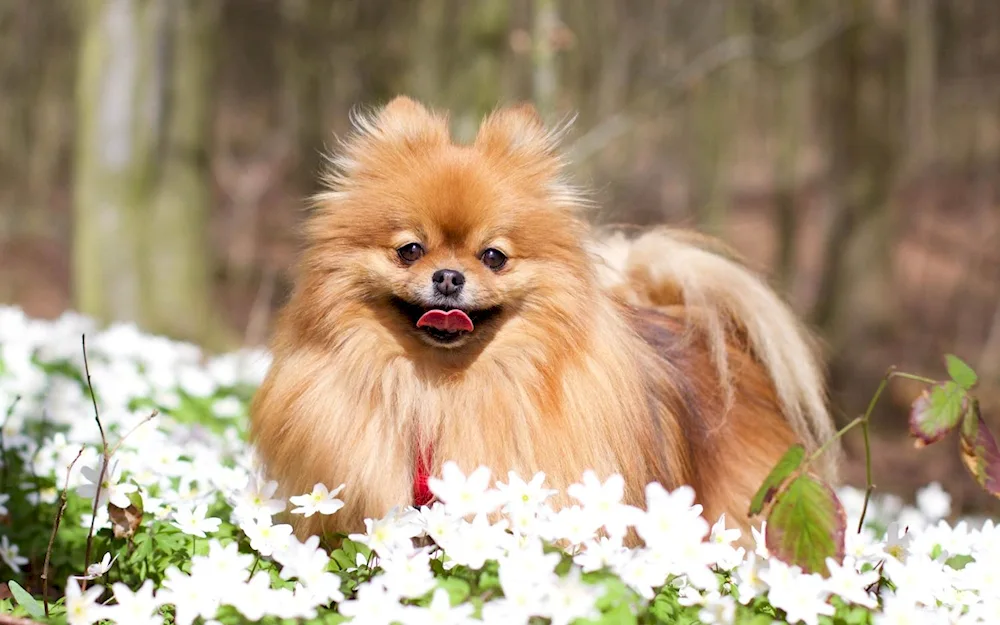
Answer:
(666, 267)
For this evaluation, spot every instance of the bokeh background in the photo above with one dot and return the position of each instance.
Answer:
(155, 156)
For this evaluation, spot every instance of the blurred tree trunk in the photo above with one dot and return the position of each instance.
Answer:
(476, 83)
(862, 81)
(921, 83)
(790, 93)
(545, 79)
(141, 195)
(715, 110)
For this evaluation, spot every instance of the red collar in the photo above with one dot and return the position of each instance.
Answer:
(422, 494)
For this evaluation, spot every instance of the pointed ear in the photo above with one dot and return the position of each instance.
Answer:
(404, 119)
(515, 129)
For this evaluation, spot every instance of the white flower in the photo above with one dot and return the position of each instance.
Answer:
(603, 501)
(319, 500)
(571, 598)
(897, 542)
(902, 612)
(11, 554)
(265, 537)
(574, 524)
(717, 608)
(98, 569)
(803, 597)
(226, 566)
(82, 607)
(256, 498)
(409, 575)
(111, 488)
(194, 523)
(748, 581)
(192, 596)
(393, 532)
(849, 584)
(255, 598)
(436, 521)
(138, 608)
(670, 516)
(477, 542)
(600, 553)
(464, 495)
(934, 502)
(519, 495)
(373, 605)
(440, 612)
(4, 498)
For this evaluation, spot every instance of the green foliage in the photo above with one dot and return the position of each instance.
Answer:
(806, 521)
(26, 601)
(937, 411)
(807, 525)
(788, 464)
(961, 373)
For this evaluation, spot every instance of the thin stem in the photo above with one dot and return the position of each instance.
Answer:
(909, 376)
(52, 537)
(138, 425)
(105, 460)
(869, 485)
(256, 560)
(816, 454)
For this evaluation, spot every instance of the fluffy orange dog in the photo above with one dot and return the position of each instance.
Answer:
(453, 304)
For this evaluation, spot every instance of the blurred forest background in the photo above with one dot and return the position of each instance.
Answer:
(155, 155)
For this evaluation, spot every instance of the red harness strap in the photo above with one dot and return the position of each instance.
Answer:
(422, 494)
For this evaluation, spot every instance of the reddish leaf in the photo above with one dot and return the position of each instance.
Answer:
(936, 412)
(980, 453)
(807, 525)
(777, 477)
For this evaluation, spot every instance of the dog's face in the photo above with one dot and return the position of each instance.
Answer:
(449, 243)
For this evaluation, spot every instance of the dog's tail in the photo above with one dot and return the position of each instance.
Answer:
(665, 267)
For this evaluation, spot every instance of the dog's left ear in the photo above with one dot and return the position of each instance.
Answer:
(515, 131)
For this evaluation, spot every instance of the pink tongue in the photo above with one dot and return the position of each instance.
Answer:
(450, 321)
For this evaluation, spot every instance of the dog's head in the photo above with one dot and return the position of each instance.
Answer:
(447, 243)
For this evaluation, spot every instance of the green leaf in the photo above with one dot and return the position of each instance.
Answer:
(959, 561)
(807, 525)
(979, 451)
(458, 589)
(961, 373)
(936, 412)
(791, 461)
(26, 601)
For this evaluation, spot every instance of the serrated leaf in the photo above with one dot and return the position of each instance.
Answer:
(789, 462)
(961, 373)
(807, 525)
(26, 601)
(936, 412)
(979, 451)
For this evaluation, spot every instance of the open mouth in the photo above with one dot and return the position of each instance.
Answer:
(445, 324)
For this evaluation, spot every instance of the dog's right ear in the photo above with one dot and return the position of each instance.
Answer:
(403, 119)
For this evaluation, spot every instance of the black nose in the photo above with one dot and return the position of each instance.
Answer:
(448, 281)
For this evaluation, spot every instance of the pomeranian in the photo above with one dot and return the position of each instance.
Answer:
(451, 302)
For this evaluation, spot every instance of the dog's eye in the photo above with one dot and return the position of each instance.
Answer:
(493, 258)
(411, 252)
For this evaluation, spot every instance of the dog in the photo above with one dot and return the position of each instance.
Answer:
(452, 302)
